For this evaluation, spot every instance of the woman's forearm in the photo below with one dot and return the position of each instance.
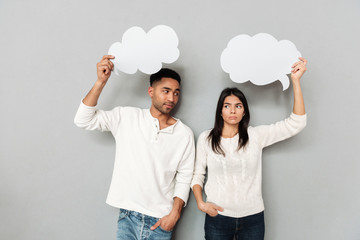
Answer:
(197, 190)
(299, 106)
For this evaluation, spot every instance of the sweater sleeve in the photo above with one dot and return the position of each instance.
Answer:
(185, 171)
(91, 118)
(270, 134)
(201, 161)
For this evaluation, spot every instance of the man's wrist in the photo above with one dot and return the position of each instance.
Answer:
(175, 213)
(99, 83)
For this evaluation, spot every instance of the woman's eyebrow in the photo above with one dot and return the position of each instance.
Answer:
(235, 103)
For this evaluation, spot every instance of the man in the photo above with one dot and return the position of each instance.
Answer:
(154, 155)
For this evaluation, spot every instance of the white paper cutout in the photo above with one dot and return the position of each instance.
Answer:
(260, 59)
(145, 51)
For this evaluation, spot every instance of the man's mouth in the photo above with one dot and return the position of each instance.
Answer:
(169, 105)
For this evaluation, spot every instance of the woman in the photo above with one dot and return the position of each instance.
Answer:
(231, 152)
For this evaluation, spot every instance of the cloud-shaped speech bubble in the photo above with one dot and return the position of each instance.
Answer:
(145, 51)
(260, 59)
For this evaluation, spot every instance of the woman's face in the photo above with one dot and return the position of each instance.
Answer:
(233, 110)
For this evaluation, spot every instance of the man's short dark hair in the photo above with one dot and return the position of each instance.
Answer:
(164, 73)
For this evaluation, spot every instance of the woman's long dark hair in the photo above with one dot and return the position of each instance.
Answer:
(215, 134)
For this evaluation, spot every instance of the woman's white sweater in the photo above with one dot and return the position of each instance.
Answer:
(234, 180)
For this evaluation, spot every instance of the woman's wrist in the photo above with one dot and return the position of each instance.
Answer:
(201, 204)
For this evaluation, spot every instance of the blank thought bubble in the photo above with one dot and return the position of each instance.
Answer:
(260, 59)
(145, 51)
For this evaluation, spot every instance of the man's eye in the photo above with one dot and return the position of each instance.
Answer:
(165, 91)
(176, 94)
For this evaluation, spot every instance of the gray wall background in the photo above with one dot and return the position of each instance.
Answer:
(54, 177)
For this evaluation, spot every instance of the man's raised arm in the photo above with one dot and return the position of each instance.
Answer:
(104, 68)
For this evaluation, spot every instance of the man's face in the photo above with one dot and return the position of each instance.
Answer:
(165, 94)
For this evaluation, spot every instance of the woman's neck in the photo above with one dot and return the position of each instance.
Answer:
(229, 131)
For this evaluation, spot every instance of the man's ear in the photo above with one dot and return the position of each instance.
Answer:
(151, 91)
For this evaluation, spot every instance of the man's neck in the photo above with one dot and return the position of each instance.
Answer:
(165, 120)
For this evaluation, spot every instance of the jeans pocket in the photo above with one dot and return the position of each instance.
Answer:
(217, 215)
(123, 214)
(165, 230)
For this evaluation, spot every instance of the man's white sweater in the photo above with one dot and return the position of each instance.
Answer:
(152, 166)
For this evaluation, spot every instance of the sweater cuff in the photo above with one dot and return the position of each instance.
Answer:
(298, 117)
(182, 191)
(196, 181)
(84, 106)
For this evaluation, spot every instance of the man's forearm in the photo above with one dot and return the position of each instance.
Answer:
(177, 207)
(92, 97)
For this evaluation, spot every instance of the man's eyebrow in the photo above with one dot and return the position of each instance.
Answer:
(167, 88)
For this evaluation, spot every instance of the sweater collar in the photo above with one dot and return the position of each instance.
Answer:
(169, 129)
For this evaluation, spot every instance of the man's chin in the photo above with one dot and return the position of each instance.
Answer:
(167, 110)
(164, 110)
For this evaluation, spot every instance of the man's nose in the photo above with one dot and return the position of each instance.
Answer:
(170, 97)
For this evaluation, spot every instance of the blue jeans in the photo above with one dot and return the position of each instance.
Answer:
(136, 226)
(228, 228)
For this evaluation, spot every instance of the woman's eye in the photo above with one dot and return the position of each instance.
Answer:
(238, 106)
(226, 106)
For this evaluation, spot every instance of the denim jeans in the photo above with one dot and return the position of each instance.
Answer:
(228, 228)
(136, 226)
